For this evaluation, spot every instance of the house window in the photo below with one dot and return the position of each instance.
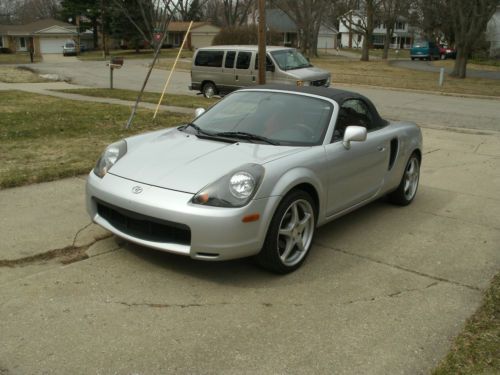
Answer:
(400, 25)
(22, 42)
(1, 41)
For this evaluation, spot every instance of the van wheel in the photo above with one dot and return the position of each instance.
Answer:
(209, 90)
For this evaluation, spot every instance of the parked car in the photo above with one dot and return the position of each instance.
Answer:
(222, 69)
(255, 174)
(425, 50)
(69, 48)
(446, 52)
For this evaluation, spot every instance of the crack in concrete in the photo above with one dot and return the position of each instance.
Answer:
(393, 295)
(458, 219)
(431, 151)
(167, 305)
(69, 254)
(401, 268)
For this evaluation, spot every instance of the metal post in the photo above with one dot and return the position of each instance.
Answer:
(262, 42)
(111, 76)
(441, 76)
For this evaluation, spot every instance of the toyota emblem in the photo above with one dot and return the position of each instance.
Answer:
(136, 190)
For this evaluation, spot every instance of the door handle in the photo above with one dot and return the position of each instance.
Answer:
(381, 148)
(236, 77)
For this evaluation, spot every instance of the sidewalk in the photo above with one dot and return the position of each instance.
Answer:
(46, 87)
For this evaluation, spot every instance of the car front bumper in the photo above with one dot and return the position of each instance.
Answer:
(215, 233)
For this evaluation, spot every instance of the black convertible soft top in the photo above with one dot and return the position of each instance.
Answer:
(331, 93)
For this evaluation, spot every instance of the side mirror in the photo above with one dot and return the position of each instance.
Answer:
(353, 133)
(270, 68)
(198, 112)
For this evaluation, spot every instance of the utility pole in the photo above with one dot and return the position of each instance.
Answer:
(262, 42)
(102, 31)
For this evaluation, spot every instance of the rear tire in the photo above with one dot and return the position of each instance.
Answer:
(209, 90)
(407, 189)
(290, 234)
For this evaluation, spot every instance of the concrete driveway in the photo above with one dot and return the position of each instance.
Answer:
(384, 290)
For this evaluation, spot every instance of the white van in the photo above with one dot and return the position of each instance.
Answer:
(222, 69)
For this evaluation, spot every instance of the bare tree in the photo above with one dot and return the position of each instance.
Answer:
(361, 21)
(188, 10)
(469, 20)
(308, 15)
(390, 13)
(26, 11)
(236, 12)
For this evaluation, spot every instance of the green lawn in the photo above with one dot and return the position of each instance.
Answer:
(44, 138)
(477, 349)
(10, 74)
(381, 73)
(150, 97)
(377, 52)
(16, 58)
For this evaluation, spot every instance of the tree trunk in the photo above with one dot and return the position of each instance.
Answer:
(387, 41)
(365, 54)
(460, 67)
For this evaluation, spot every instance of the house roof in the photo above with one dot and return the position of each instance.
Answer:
(278, 20)
(33, 27)
(183, 26)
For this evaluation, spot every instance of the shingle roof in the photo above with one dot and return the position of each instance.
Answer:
(30, 28)
(183, 26)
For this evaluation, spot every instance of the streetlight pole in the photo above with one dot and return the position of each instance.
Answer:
(262, 42)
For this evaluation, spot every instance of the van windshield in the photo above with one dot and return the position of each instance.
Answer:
(289, 59)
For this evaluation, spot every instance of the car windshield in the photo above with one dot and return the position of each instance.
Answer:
(274, 117)
(70, 45)
(421, 45)
(289, 59)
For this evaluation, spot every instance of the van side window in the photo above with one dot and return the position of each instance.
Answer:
(243, 60)
(268, 61)
(230, 55)
(209, 58)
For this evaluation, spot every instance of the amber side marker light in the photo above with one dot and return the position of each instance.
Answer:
(250, 218)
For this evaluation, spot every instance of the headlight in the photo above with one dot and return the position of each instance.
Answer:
(235, 189)
(109, 157)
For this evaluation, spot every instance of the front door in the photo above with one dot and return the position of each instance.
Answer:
(355, 174)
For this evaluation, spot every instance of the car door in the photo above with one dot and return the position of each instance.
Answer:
(243, 72)
(355, 174)
(227, 78)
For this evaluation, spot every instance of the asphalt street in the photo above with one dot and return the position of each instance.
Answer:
(384, 291)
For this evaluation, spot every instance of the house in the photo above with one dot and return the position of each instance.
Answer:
(278, 21)
(201, 35)
(493, 33)
(402, 36)
(46, 36)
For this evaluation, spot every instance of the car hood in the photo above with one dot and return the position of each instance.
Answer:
(309, 74)
(179, 161)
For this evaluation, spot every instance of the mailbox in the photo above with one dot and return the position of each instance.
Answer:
(117, 61)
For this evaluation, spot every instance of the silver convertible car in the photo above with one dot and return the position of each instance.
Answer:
(254, 175)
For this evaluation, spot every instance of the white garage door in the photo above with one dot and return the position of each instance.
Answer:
(52, 45)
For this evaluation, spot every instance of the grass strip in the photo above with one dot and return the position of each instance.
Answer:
(43, 138)
(380, 73)
(477, 349)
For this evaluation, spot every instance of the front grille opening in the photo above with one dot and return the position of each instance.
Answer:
(144, 227)
(320, 82)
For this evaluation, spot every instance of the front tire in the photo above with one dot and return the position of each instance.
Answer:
(407, 189)
(209, 90)
(290, 234)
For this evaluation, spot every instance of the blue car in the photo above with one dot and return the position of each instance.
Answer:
(425, 50)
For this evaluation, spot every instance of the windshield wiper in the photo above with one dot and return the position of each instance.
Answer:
(247, 136)
(195, 127)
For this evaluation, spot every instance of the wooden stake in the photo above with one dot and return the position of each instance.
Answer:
(173, 68)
